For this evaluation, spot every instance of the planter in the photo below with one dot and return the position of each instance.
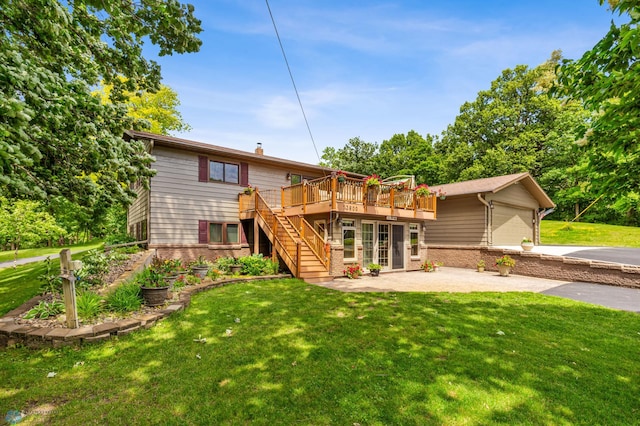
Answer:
(342, 179)
(200, 271)
(527, 246)
(375, 272)
(235, 269)
(170, 279)
(480, 268)
(504, 270)
(154, 296)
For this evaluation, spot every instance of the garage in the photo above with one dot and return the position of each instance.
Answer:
(511, 224)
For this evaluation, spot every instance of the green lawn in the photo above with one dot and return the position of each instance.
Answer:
(6, 256)
(588, 234)
(285, 352)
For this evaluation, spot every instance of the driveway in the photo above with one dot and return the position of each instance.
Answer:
(462, 280)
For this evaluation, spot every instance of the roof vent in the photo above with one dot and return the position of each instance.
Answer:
(259, 149)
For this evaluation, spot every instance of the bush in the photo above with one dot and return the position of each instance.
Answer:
(51, 282)
(120, 238)
(224, 264)
(95, 265)
(256, 264)
(125, 298)
(88, 304)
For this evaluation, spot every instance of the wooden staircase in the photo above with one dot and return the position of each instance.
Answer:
(298, 246)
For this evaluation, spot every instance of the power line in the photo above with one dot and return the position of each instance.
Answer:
(293, 81)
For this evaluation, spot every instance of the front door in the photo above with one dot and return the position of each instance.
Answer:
(397, 245)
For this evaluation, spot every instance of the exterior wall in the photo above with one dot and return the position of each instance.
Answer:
(138, 214)
(459, 220)
(338, 262)
(514, 195)
(178, 201)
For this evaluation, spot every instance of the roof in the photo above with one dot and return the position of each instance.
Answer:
(496, 184)
(205, 148)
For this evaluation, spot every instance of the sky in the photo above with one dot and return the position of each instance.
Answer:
(367, 69)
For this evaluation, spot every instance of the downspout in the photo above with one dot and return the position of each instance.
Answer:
(487, 217)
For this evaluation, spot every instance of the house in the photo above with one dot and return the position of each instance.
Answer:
(493, 211)
(215, 201)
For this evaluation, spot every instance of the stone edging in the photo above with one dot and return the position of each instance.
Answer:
(37, 337)
(540, 265)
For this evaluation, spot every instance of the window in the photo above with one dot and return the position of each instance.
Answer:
(349, 238)
(224, 172)
(224, 233)
(367, 243)
(414, 238)
(296, 179)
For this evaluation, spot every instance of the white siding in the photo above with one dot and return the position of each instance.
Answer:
(514, 195)
(459, 220)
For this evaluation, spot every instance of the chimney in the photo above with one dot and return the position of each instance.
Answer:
(259, 149)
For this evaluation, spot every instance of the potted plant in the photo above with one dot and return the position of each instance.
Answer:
(372, 181)
(248, 190)
(526, 244)
(437, 265)
(422, 190)
(200, 267)
(480, 265)
(353, 271)
(341, 176)
(504, 264)
(235, 267)
(441, 194)
(428, 266)
(153, 287)
(374, 268)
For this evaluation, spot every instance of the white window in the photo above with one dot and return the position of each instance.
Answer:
(414, 237)
(349, 239)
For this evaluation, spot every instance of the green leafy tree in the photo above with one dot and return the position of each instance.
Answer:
(607, 80)
(26, 223)
(357, 156)
(157, 112)
(56, 137)
(409, 154)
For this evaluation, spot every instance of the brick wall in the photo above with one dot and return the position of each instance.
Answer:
(540, 265)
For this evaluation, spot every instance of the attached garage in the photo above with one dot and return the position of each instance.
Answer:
(510, 224)
(495, 211)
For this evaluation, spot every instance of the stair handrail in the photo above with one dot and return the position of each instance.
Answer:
(314, 240)
(283, 239)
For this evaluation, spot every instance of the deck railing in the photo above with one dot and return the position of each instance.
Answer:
(353, 191)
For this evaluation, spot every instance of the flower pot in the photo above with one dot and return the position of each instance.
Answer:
(342, 179)
(375, 272)
(200, 271)
(154, 296)
(235, 269)
(527, 246)
(504, 270)
(480, 268)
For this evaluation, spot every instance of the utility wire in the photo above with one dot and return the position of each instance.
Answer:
(293, 81)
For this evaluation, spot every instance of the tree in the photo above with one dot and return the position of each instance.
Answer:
(25, 222)
(357, 156)
(157, 111)
(409, 154)
(56, 137)
(607, 80)
(516, 126)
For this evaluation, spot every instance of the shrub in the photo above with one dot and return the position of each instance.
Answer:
(224, 264)
(95, 265)
(45, 309)
(121, 238)
(353, 271)
(257, 264)
(51, 282)
(89, 304)
(125, 298)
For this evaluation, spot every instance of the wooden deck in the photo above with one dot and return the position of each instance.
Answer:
(349, 196)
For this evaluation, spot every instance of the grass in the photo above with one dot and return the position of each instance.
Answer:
(17, 285)
(588, 234)
(285, 352)
(7, 256)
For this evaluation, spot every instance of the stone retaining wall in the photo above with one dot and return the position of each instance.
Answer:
(36, 337)
(540, 265)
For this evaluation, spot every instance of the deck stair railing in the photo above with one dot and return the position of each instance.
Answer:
(314, 241)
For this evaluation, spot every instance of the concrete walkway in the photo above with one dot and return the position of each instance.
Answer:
(459, 280)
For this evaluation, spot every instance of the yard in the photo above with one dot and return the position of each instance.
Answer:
(285, 352)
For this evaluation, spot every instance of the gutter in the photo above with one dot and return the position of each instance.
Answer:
(487, 217)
